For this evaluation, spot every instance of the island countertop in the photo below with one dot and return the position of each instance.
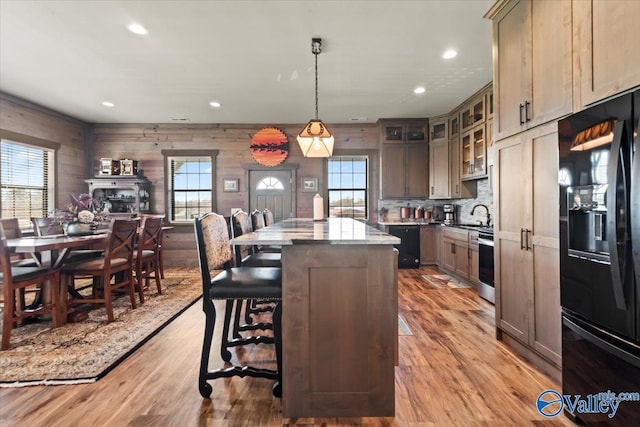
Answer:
(334, 231)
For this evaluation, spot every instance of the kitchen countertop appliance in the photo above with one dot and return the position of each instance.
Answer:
(599, 186)
(450, 214)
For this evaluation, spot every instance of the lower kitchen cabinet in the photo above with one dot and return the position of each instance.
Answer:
(459, 253)
(428, 245)
(526, 241)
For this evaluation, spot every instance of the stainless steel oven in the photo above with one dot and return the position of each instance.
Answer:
(486, 289)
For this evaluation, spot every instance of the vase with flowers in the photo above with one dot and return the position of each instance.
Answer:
(84, 215)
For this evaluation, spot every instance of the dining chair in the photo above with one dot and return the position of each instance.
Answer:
(19, 278)
(233, 284)
(146, 254)
(12, 231)
(115, 265)
(159, 253)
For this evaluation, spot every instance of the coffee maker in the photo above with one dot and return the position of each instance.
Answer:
(449, 213)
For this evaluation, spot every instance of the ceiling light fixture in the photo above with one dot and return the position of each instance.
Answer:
(138, 29)
(419, 90)
(215, 104)
(315, 140)
(449, 53)
(108, 104)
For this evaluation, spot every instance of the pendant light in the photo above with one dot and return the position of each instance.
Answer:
(315, 139)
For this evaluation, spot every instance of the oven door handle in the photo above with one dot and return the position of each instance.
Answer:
(485, 242)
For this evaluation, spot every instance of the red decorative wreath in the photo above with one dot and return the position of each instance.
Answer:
(269, 146)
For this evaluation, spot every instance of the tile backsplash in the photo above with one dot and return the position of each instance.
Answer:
(484, 197)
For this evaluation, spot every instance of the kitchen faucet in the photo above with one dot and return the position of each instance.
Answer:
(488, 216)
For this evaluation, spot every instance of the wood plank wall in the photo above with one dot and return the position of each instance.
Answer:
(82, 145)
(30, 121)
(144, 142)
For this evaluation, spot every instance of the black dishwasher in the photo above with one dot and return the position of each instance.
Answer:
(409, 247)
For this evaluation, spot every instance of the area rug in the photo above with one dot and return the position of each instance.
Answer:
(86, 351)
(445, 281)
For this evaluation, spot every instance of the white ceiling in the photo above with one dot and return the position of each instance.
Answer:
(254, 57)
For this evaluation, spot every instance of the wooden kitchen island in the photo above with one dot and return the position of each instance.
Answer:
(339, 322)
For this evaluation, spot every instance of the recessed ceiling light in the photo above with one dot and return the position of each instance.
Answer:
(138, 29)
(419, 90)
(108, 104)
(215, 104)
(450, 53)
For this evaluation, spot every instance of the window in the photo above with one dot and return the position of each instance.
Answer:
(348, 186)
(270, 183)
(190, 185)
(26, 181)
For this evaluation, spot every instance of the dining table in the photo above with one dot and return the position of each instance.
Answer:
(339, 316)
(52, 250)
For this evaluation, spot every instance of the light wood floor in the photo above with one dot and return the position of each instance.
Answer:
(452, 372)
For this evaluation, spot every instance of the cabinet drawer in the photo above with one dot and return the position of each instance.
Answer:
(456, 234)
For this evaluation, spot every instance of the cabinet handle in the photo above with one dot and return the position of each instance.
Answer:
(432, 190)
(521, 111)
(469, 253)
(457, 188)
(453, 248)
(526, 111)
(528, 233)
(522, 244)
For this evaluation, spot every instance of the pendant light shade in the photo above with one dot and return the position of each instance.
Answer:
(314, 139)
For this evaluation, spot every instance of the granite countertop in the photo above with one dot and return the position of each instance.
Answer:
(333, 231)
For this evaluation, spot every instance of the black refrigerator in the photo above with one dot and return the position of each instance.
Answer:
(599, 178)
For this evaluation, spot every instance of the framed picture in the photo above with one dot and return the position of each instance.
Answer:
(230, 185)
(310, 185)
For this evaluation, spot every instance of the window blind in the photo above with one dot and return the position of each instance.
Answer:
(24, 181)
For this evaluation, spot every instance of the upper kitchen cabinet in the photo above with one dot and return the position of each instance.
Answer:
(606, 38)
(473, 113)
(454, 124)
(404, 159)
(439, 158)
(532, 63)
(474, 153)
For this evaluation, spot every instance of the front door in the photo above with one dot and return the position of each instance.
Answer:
(272, 189)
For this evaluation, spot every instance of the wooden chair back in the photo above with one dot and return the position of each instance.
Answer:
(149, 237)
(11, 228)
(121, 240)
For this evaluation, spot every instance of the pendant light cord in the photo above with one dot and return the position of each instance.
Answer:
(316, 55)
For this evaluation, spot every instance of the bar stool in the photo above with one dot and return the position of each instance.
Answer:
(233, 284)
(247, 255)
(258, 222)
